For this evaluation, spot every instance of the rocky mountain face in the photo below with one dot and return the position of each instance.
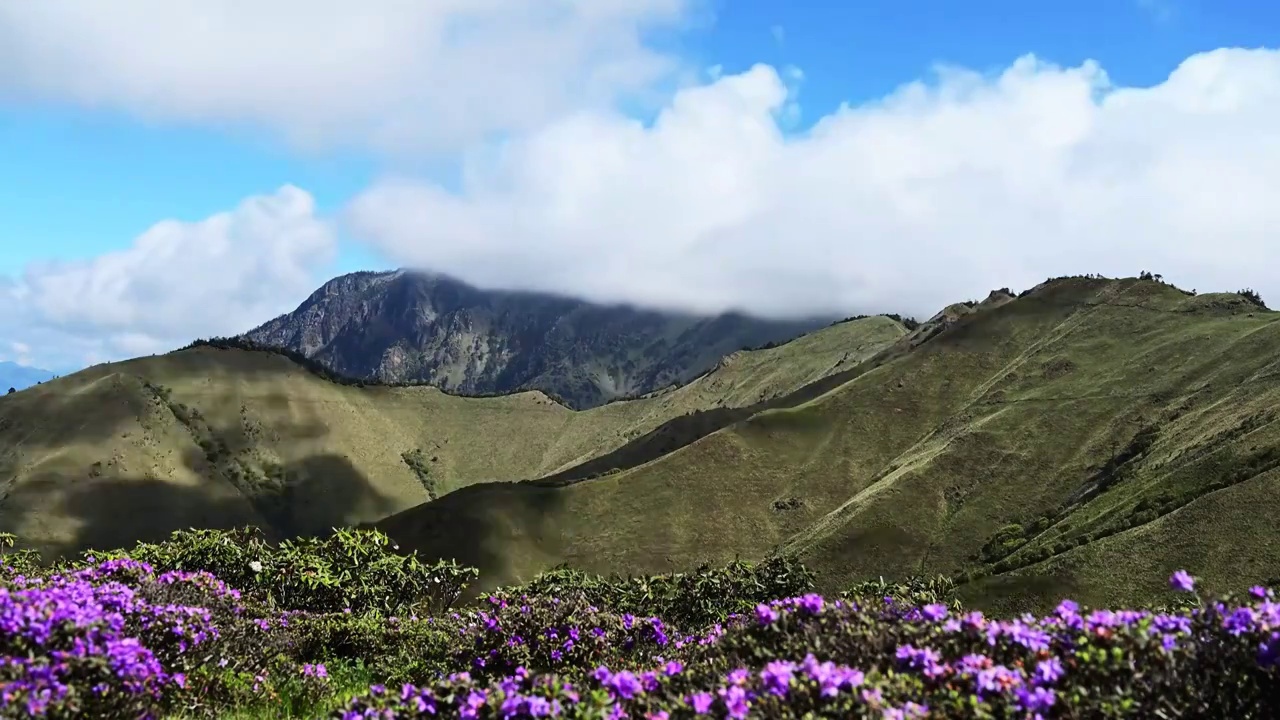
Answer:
(407, 326)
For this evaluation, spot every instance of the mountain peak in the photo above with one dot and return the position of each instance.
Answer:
(408, 325)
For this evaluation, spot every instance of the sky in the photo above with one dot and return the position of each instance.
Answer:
(171, 171)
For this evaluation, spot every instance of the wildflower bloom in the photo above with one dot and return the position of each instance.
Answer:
(1182, 581)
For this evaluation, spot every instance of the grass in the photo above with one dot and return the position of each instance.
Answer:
(1008, 414)
(207, 437)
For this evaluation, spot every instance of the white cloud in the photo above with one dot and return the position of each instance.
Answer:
(935, 193)
(393, 74)
(939, 192)
(179, 280)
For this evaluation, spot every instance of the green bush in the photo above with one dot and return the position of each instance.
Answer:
(350, 569)
(695, 599)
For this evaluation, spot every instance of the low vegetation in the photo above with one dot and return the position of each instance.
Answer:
(227, 625)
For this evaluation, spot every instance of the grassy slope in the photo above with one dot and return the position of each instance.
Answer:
(913, 466)
(212, 438)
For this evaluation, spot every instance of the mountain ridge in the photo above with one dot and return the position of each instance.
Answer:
(415, 326)
(894, 472)
(222, 435)
(1024, 445)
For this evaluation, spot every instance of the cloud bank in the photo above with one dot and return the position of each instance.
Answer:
(938, 192)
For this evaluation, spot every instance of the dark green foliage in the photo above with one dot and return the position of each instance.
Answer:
(350, 569)
(18, 560)
(909, 323)
(914, 592)
(1121, 465)
(690, 600)
(417, 461)
(1003, 542)
(394, 649)
(1252, 296)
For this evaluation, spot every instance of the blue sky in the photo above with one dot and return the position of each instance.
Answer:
(86, 172)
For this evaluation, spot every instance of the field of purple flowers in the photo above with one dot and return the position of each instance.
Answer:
(219, 624)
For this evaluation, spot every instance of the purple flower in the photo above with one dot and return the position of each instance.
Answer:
(1182, 581)
(766, 615)
(812, 603)
(1036, 699)
(625, 684)
(735, 701)
(1269, 651)
(934, 612)
(776, 676)
(1048, 671)
(1240, 621)
(700, 702)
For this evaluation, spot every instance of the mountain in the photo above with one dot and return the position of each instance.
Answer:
(406, 326)
(1083, 440)
(20, 377)
(212, 437)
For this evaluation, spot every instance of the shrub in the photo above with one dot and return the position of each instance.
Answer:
(355, 569)
(1252, 296)
(692, 600)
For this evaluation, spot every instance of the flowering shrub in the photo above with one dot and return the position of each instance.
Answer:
(117, 639)
(113, 636)
(566, 635)
(807, 657)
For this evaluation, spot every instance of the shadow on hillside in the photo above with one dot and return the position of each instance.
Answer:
(113, 512)
(508, 531)
(688, 429)
(1012, 595)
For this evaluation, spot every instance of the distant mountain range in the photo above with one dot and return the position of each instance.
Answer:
(20, 377)
(408, 326)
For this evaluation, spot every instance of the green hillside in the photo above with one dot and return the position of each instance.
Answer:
(214, 438)
(1087, 439)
